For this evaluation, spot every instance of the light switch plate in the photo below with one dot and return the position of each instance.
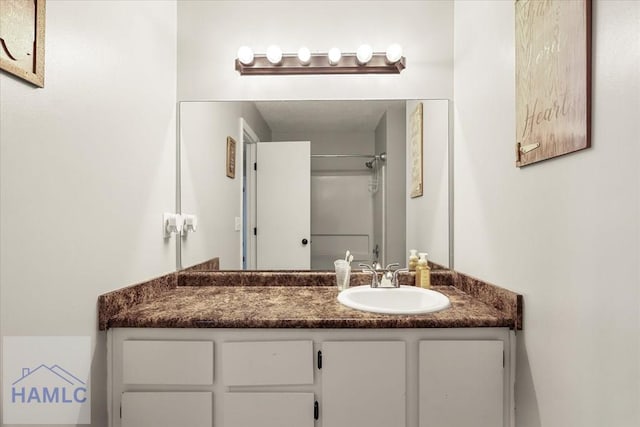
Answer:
(238, 224)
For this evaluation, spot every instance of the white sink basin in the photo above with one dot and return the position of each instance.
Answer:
(402, 300)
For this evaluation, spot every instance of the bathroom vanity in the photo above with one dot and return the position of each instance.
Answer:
(240, 349)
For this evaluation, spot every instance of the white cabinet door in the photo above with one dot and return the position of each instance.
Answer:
(461, 383)
(167, 409)
(268, 410)
(363, 384)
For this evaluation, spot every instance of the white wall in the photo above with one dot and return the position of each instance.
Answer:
(87, 168)
(210, 33)
(428, 216)
(564, 232)
(256, 122)
(395, 191)
(389, 217)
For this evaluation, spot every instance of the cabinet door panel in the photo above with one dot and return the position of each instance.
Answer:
(167, 362)
(268, 410)
(267, 363)
(363, 384)
(461, 383)
(167, 409)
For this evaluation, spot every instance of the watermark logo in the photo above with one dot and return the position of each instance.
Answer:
(67, 389)
(36, 391)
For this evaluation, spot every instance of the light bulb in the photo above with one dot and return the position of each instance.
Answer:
(245, 55)
(274, 54)
(304, 56)
(364, 54)
(334, 56)
(394, 53)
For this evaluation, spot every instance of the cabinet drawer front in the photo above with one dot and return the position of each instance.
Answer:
(163, 409)
(268, 410)
(167, 362)
(267, 363)
(461, 383)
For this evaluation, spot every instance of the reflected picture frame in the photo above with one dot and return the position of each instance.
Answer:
(231, 157)
(416, 151)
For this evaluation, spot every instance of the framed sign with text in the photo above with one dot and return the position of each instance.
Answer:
(22, 39)
(553, 78)
(231, 157)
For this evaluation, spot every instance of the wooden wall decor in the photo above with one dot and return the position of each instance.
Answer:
(415, 146)
(231, 157)
(553, 78)
(22, 39)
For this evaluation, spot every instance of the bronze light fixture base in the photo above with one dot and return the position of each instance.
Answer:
(319, 64)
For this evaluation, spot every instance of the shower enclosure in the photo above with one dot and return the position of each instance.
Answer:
(347, 208)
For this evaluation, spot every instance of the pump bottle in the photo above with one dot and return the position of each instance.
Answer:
(423, 272)
(413, 259)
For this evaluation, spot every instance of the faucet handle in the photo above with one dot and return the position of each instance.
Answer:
(370, 269)
(394, 281)
(392, 265)
(367, 267)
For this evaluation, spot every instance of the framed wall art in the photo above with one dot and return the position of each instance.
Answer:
(553, 78)
(415, 147)
(231, 157)
(22, 39)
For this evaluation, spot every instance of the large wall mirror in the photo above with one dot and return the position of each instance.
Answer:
(312, 180)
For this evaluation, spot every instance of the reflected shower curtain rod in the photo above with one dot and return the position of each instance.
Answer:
(368, 156)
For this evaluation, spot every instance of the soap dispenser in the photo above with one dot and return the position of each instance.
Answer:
(413, 259)
(423, 272)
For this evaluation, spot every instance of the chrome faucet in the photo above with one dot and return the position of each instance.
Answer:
(389, 276)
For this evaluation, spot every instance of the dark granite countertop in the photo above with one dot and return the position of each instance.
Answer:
(294, 300)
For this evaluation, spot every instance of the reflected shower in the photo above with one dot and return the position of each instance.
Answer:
(374, 158)
(371, 164)
(382, 157)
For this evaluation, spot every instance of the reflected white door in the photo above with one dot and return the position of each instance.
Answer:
(283, 205)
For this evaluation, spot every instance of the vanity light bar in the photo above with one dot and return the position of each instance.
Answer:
(320, 64)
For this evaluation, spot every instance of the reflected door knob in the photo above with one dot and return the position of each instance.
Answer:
(305, 241)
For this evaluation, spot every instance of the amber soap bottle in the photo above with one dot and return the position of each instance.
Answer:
(423, 272)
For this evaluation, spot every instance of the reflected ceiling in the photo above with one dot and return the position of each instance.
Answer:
(343, 116)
